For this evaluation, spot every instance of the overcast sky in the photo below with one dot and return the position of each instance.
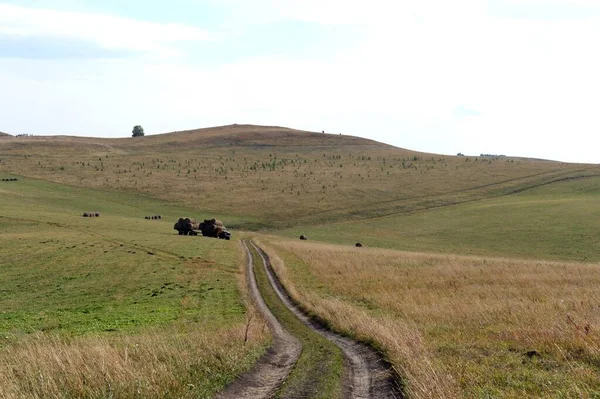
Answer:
(498, 76)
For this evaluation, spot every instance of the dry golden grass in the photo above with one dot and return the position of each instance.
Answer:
(279, 176)
(457, 326)
(172, 362)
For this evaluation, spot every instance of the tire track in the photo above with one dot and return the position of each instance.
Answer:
(367, 374)
(274, 367)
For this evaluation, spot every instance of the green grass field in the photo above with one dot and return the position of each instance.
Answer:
(168, 313)
(556, 221)
(116, 276)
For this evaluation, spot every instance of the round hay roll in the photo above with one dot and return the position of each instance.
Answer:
(303, 237)
(97, 214)
(86, 215)
(358, 244)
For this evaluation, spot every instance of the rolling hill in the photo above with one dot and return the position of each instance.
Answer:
(487, 260)
(278, 177)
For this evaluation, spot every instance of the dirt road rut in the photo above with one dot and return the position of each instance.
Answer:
(366, 374)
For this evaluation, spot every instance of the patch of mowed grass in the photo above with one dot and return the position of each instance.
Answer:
(128, 289)
(557, 221)
(318, 371)
(457, 326)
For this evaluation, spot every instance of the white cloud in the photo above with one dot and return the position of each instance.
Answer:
(107, 31)
(533, 83)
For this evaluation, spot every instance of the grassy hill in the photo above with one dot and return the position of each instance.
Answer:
(4, 134)
(557, 221)
(278, 177)
(116, 305)
(122, 306)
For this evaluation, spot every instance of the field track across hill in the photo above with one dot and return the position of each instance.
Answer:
(273, 368)
(366, 374)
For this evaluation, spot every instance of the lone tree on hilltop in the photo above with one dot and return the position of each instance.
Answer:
(137, 131)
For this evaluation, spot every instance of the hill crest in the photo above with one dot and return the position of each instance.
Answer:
(276, 175)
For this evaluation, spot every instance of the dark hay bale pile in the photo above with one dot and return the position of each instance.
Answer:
(186, 226)
(159, 217)
(86, 215)
(97, 214)
(214, 228)
(146, 217)
(358, 244)
(303, 237)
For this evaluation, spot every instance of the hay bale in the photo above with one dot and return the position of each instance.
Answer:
(97, 214)
(179, 226)
(186, 225)
(159, 217)
(358, 244)
(211, 228)
(86, 215)
(303, 237)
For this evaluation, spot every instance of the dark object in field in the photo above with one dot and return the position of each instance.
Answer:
(303, 237)
(208, 228)
(225, 235)
(86, 215)
(358, 244)
(91, 214)
(153, 217)
(186, 226)
(531, 354)
(214, 228)
(97, 215)
(10, 179)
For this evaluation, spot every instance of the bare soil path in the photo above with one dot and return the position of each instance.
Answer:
(367, 375)
(273, 368)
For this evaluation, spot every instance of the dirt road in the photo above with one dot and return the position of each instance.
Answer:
(366, 374)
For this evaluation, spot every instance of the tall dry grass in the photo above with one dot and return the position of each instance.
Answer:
(179, 360)
(457, 326)
(157, 364)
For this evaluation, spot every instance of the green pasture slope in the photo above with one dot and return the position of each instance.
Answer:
(63, 274)
(558, 221)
